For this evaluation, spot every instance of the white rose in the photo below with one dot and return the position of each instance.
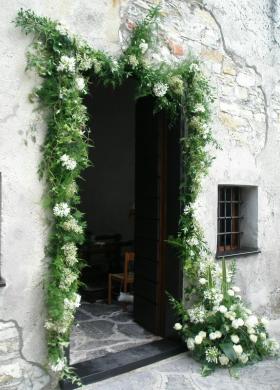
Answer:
(222, 309)
(212, 336)
(237, 323)
(224, 360)
(230, 293)
(251, 321)
(202, 334)
(218, 334)
(178, 326)
(262, 335)
(240, 321)
(234, 338)
(198, 339)
(253, 338)
(80, 83)
(243, 358)
(238, 349)
(251, 330)
(264, 321)
(236, 289)
(202, 281)
(190, 344)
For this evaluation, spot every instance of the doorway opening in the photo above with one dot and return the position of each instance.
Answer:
(130, 197)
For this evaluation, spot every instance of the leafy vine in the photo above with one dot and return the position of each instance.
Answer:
(66, 64)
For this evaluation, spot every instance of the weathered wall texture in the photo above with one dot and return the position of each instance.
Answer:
(238, 43)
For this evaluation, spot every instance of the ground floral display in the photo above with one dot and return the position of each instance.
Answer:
(216, 326)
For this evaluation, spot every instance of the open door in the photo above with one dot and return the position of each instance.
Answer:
(157, 209)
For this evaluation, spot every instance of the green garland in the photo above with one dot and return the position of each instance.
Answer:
(65, 64)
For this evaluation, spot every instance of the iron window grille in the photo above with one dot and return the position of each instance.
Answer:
(229, 218)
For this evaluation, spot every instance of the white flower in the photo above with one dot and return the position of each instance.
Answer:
(178, 326)
(218, 334)
(230, 293)
(202, 281)
(72, 303)
(212, 354)
(70, 252)
(61, 209)
(197, 314)
(235, 289)
(253, 338)
(237, 323)
(224, 360)
(202, 334)
(199, 108)
(96, 65)
(262, 335)
(243, 358)
(194, 67)
(80, 83)
(273, 346)
(198, 339)
(234, 338)
(190, 344)
(68, 162)
(71, 225)
(67, 64)
(132, 59)
(251, 331)
(251, 321)
(67, 279)
(114, 66)
(160, 89)
(58, 365)
(212, 336)
(187, 209)
(222, 309)
(230, 315)
(264, 321)
(143, 46)
(238, 349)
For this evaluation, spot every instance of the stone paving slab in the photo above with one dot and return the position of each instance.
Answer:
(183, 373)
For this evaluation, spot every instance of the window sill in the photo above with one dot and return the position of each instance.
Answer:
(238, 252)
(2, 282)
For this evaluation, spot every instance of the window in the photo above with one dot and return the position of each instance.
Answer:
(237, 220)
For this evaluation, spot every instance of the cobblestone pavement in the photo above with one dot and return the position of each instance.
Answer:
(101, 328)
(182, 373)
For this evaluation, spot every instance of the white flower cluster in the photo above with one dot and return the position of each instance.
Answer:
(194, 67)
(67, 279)
(177, 326)
(212, 354)
(213, 295)
(160, 89)
(96, 64)
(197, 314)
(80, 83)
(72, 303)
(215, 335)
(71, 225)
(57, 327)
(132, 59)
(67, 64)
(68, 162)
(114, 66)
(143, 46)
(70, 252)
(61, 210)
(58, 366)
(199, 108)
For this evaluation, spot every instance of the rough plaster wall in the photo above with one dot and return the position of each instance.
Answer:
(238, 43)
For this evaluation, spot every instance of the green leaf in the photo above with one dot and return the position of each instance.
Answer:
(207, 370)
(228, 351)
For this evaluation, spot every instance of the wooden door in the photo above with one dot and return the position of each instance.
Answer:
(157, 176)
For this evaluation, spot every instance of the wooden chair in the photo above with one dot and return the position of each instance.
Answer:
(124, 278)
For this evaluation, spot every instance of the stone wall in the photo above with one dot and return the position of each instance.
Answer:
(238, 43)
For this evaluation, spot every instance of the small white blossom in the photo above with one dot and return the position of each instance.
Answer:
(251, 321)
(114, 66)
(72, 303)
(68, 162)
(132, 59)
(197, 314)
(237, 323)
(202, 281)
(253, 338)
(212, 336)
(187, 209)
(251, 331)
(194, 67)
(264, 321)
(243, 358)
(80, 83)
(230, 315)
(160, 89)
(198, 339)
(70, 252)
(234, 338)
(224, 360)
(143, 46)
(71, 225)
(58, 365)
(262, 335)
(177, 326)
(222, 309)
(190, 344)
(230, 293)
(212, 354)
(235, 289)
(67, 64)
(61, 209)
(96, 65)
(202, 334)
(199, 108)
(67, 279)
(238, 349)
(218, 334)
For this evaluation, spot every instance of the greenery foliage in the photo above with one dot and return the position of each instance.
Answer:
(66, 64)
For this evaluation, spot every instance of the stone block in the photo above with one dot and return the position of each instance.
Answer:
(245, 80)
(212, 55)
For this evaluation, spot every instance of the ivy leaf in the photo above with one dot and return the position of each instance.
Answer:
(228, 351)
(207, 370)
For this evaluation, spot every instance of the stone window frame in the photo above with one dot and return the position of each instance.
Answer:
(237, 220)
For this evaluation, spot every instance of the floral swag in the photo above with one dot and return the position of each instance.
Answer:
(214, 322)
